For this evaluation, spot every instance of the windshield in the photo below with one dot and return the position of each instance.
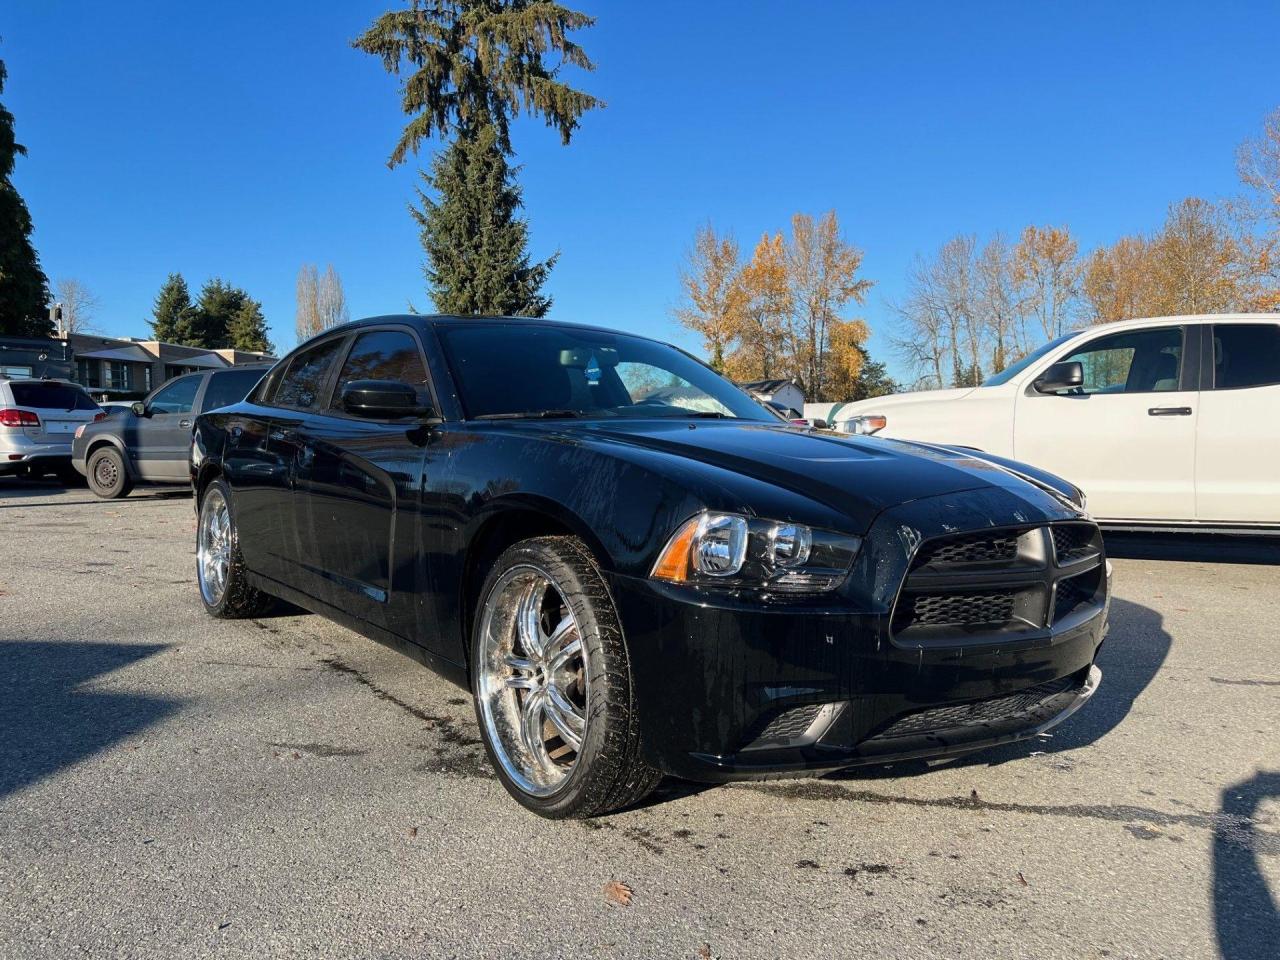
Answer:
(543, 370)
(1008, 373)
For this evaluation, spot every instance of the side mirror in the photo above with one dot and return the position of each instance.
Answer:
(382, 399)
(820, 424)
(1061, 376)
(139, 408)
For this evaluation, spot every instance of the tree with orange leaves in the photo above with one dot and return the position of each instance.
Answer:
(713, 294)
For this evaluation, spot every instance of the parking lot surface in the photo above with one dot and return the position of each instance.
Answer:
(175, 786)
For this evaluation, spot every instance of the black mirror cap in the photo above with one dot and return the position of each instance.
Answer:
(139, 408)
(382, 399)
(1067, 375)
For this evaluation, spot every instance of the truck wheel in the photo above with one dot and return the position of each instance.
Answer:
(107, 475)
(552, 684)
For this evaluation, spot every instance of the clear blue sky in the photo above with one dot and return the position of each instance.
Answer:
(242, 139)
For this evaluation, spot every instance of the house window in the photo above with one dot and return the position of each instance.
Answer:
(88, 373)
(146, 378)
(15, 372)
(119, 375)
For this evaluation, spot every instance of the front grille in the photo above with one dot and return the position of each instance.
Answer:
(937, 609)
(999, 584)
(979, 712)
(970, 548)
(790, 723)
(1072, 541)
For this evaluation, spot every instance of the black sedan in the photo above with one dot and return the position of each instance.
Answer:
(635, 568)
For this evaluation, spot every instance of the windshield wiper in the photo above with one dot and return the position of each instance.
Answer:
(707, 415)
(532, 415)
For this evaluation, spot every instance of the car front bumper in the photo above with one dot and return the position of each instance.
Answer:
(732, 688)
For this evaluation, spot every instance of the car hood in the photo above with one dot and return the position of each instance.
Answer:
(843, 411)
(856, 476)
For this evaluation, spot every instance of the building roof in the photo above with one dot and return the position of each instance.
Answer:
(767, 386)
(130, 354)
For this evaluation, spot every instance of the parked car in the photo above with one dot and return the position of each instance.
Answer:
(150, 440)
(634, 581)
(1171, 421)
(37, 421)
(787, 413)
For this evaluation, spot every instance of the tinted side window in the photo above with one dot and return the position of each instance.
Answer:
(177, 396)
(231, 387)
(1135, 361)
(304, 380)
(51, 396)
(1245, 355)
(384, 355)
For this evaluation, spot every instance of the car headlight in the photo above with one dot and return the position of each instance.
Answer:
(728, 550)
(867, 425)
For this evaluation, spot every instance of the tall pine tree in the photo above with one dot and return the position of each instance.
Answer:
(173, 314)
(215, 311)
(470, 67)
(248, 328)
(476, 245)
(24, 289)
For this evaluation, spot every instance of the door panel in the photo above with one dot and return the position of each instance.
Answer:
(259, 474)
(1128, 437)
(1238, 432)
(160, 443)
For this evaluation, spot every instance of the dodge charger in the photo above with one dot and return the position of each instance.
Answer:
(635, 568)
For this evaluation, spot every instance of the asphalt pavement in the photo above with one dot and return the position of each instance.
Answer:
(174, 786)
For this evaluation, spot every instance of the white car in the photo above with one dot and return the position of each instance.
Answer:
(1165, 421)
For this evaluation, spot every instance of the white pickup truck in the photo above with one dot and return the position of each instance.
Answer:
(1164, 421)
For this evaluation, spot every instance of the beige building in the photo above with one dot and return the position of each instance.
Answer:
(124, 369)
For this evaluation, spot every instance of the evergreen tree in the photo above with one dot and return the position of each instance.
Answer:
(173, 314)
(473, 65)
(214, 313)
(248, 328)
(24, 289)
(475, 244)
(873, 380)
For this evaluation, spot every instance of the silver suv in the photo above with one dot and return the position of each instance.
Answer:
(38, 419)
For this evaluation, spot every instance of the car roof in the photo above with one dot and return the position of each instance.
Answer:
(450, 319)
(1139, 323)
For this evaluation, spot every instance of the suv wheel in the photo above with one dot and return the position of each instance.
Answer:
(552, 684)
(224, 587)
(107, 474)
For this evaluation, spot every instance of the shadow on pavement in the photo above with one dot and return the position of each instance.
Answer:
(19, 491)
(1245, 916)
(49, 723)
(1193, 548)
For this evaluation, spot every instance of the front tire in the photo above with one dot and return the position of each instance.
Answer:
(107, 474)
(552, 684)
(220, 570)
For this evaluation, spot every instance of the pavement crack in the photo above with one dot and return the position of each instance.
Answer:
(1246, 682)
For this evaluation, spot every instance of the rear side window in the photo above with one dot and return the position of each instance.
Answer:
(303, 382)
(384, 355)
(177, 396)
(230, 387)
(1245, 355)
(1137, 361)
(51, 396)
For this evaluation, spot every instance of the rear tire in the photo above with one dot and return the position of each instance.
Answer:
(220, 572)
(551, 679)
(107, 474)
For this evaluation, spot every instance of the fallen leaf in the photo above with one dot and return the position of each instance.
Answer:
(413, 831)
(1021, 879)
(704, 952)
(973, 795)
(615, 891)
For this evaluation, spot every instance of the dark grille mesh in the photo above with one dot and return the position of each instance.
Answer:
(1072, 542)
(970, 548)
(1071, 594)
(983, 711)
(790, 723)
(932, 609)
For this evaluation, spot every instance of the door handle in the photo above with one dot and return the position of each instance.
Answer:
(184, 423)
(1169, 412)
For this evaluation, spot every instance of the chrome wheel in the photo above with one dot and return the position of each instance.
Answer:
(532, 679)
(213, 547)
